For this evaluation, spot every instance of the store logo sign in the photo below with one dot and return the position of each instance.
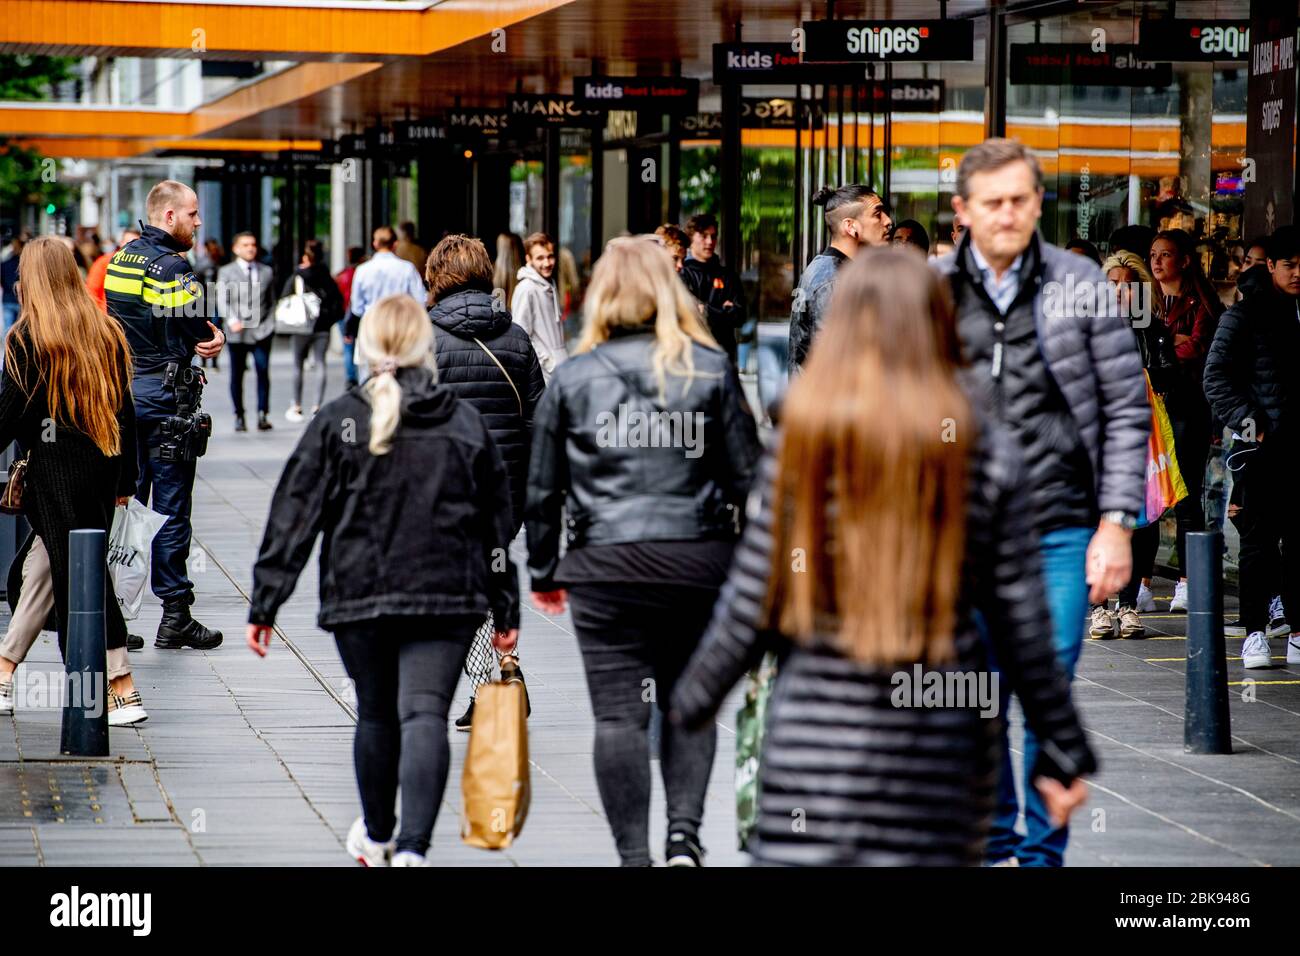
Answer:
(1234, 41)
(830, 41)
(885, 41)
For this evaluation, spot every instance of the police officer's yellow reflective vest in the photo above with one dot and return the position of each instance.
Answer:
(150, 288)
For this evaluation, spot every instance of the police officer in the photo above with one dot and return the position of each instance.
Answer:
(151, 289)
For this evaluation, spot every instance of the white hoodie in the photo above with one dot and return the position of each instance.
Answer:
(535, 308)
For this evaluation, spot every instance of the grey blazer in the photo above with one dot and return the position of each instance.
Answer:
(249, 305)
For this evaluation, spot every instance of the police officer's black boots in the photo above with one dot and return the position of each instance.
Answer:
(179, 629)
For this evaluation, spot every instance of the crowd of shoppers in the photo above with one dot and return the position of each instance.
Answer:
(958, 469)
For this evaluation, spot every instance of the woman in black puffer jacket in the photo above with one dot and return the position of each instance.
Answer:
(488, 361)
(892, 519)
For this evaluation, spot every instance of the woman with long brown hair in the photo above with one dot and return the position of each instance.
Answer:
(892, 519)
(644, 439)
(66, 398)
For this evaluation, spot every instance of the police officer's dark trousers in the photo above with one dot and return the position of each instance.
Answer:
(171, 484)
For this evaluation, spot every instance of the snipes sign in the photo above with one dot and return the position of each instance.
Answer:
(888, 41)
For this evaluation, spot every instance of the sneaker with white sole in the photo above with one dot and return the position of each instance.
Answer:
(1256, 653)
(294, 414)
(683, 849)
(7, 697)
(1130, 625)
(1102, 625)
(1277, 625)
(364, 850)
(409, 858)
(124, 710)
(1179, 602)
(1146, 602)
(1293, 650)
(1235, 628)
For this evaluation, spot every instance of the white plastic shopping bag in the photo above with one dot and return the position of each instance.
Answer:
(130, 544)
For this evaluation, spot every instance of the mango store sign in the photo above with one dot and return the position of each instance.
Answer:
(662, 94)
(549, 109)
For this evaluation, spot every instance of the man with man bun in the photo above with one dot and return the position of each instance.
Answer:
(856, 217)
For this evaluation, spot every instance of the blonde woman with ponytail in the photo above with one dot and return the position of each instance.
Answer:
(644, 438)
(408, 489)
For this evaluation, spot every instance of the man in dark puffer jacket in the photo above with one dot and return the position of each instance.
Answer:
(1064, 376)
(488, 361)
(1250, 380)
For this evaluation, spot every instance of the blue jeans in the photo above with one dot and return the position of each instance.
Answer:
(172, 486)
(1064, 553)
(349, 356)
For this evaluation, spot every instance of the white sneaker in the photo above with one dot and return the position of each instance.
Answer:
(1277, 625)
(124, 711)
(1293, 650)
(365, 850)
(407, 858)
(1146, 603)
(294, 414)
(1130, 625)
(7, 697)
(1179, 603)
(1256, 653)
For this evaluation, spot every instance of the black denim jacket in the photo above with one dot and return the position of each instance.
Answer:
(422, 530)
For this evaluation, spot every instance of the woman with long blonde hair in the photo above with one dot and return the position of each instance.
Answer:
(892, 518)
(66, 398)
(644, 438)
(405, 483)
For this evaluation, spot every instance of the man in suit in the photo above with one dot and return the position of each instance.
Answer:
(246, 300)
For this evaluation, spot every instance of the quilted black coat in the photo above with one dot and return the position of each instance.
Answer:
(1250, 371)
(849, 777)
(459, 318)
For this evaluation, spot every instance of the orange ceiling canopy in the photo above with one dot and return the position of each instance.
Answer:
(255, 29)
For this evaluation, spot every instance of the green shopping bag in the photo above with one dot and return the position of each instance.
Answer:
(750, 721)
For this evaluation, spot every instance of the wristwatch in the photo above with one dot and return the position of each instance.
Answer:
(1128, 522)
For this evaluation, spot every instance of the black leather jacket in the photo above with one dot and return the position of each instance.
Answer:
(628, 467)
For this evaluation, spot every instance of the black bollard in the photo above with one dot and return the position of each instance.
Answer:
(85, 705)
(1207, 728)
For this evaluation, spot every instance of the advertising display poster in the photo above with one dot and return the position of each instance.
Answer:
(1269, 168)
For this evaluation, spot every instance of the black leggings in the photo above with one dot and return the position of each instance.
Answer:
(317, 344)
(404, 670)
(636, 640)
(1145, 544)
